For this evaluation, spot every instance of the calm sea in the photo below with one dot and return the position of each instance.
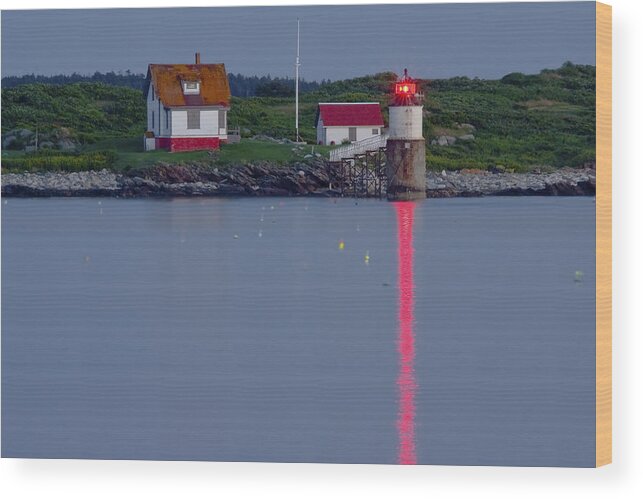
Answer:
(457, 331)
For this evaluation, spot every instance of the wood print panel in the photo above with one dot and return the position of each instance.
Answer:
(603, 234)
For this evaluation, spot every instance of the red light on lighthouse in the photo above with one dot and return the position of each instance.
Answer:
(405, 89)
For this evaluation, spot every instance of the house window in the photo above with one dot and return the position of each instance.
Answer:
(222, 116)
(376, 131)
(194, 119)
(352, 134)
(167, 118)
(191, 87)
(152, 119)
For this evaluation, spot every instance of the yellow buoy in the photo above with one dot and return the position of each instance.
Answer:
(367, 258)
(341, 245)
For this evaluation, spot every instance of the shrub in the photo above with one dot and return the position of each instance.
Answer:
(56, 161)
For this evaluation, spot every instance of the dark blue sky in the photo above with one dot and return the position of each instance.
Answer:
(433, 41)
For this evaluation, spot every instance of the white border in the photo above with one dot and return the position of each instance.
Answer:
(623, 479)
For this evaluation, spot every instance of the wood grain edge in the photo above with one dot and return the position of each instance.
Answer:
(603, 234)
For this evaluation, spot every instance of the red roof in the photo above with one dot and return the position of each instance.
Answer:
(357, 114)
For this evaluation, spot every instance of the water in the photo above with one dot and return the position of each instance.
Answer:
(238, 330)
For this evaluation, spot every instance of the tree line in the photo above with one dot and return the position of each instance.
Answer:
(240, 85)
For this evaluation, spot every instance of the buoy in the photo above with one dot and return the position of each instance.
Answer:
(260, 234)
(366, 258)
(341, 245)
(578, 276)
(236, 236)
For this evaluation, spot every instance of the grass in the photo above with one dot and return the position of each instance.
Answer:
(126, 153)
(130, 154)
(248, 151)
(521, 121)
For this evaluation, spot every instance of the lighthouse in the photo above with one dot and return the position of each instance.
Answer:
(405, 148)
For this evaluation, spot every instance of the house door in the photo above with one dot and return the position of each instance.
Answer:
(352, 134)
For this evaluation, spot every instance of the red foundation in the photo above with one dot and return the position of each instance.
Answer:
(177, 144)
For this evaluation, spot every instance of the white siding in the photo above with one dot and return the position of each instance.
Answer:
(320, 131)
(405, 122)
(209, 124)
(167, 122)
(153, 112)
(174, 123)
(338, 134)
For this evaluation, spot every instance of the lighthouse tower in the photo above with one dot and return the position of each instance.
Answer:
(405, 148)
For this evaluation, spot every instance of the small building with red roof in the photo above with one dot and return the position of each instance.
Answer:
(187, 106)
(338, 122)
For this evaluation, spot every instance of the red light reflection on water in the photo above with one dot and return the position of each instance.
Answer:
(406, 346)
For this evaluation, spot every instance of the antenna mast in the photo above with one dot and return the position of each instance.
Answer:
(297, 88)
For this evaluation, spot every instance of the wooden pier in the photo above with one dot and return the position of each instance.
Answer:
(360, 176)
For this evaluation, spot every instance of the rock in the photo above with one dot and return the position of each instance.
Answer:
(467, 183)
(66, 144)
(446, 140)
(8, 140)
(24, 133)
(466, 137)
(467, 126)
(266, 179)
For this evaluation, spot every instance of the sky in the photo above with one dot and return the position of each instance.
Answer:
(337, 42)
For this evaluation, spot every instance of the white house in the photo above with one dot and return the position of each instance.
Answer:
(338, 122)
(187, 106)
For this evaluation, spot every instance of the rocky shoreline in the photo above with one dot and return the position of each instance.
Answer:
(305, 179)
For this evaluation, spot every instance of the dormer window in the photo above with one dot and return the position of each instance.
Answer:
(191, 87)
